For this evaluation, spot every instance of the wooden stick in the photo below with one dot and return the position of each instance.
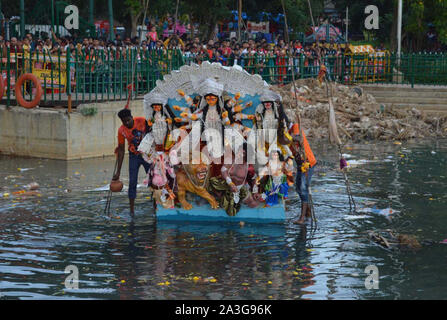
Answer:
(69, 103)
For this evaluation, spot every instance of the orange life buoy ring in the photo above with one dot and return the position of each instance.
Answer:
(19, 95)
(2, 86)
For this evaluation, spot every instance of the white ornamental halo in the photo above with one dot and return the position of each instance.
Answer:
(153, 97)
(189, 77)
(210, 86)
(269, 95)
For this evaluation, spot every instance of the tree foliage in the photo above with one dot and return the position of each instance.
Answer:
(418, 15)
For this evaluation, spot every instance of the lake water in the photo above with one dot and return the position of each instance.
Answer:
(120, 258)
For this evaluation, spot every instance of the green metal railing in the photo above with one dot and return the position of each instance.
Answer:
(410, 69)
(96, 75)
(102, 75)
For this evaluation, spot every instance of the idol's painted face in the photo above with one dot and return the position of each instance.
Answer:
(211, 100)
(268, 105)
(157, 107)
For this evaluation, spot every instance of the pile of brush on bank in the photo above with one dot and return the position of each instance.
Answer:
(359, 116)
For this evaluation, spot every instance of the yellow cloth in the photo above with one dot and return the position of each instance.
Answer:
(166, 42)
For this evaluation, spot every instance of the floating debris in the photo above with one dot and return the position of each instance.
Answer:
(107, 188)
(32, 186)
(383, 212)
(400, 241)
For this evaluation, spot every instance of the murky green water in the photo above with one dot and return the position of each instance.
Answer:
(122, 259)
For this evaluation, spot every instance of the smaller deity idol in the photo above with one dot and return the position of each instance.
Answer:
(271, 117)
(267, 114)
(161, 176)
(274, 180)
(159, 119)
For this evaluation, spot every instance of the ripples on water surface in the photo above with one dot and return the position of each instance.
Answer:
(121, 259)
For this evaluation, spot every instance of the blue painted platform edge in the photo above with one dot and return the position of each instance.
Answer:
(205, 213)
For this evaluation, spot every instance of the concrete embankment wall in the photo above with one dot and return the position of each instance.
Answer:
(55, 134)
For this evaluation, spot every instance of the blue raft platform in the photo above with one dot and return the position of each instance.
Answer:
(274, 214)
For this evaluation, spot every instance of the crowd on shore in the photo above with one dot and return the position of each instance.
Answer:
(271, 60)
(192, 48)
(251, 54)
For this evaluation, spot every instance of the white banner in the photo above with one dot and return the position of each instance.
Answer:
(258, 26)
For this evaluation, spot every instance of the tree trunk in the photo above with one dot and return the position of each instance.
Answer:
(134, 17)
(419, 35)
(133, 22)
(209, 31)
(210, 34)
(393, 32)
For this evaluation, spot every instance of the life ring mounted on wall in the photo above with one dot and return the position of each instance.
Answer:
(19, 95)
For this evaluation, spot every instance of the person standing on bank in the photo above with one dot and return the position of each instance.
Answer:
(133, 130)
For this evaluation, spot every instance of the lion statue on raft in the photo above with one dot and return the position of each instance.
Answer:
(194, 178)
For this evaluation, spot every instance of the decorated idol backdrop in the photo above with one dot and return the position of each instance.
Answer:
(215, 97)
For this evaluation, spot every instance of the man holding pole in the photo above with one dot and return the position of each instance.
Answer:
(305, 168)
(133, 130)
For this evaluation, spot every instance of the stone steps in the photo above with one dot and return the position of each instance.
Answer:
(408, 94)
(423, 101)
(430, 99)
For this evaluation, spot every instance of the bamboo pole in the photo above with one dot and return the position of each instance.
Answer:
(239, 21)
(176, 17)
(112, 34)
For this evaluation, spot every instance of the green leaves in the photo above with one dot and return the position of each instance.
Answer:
(135, 6)
(440, 19)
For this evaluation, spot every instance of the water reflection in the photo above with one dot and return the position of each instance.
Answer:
(120, 258)
(200, 261)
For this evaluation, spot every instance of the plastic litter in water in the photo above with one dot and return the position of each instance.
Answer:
(32, 186)
(375, 210)
(107, 188)
(353, 162)
(355, 217)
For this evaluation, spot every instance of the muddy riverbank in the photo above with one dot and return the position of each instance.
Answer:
(359, 116)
